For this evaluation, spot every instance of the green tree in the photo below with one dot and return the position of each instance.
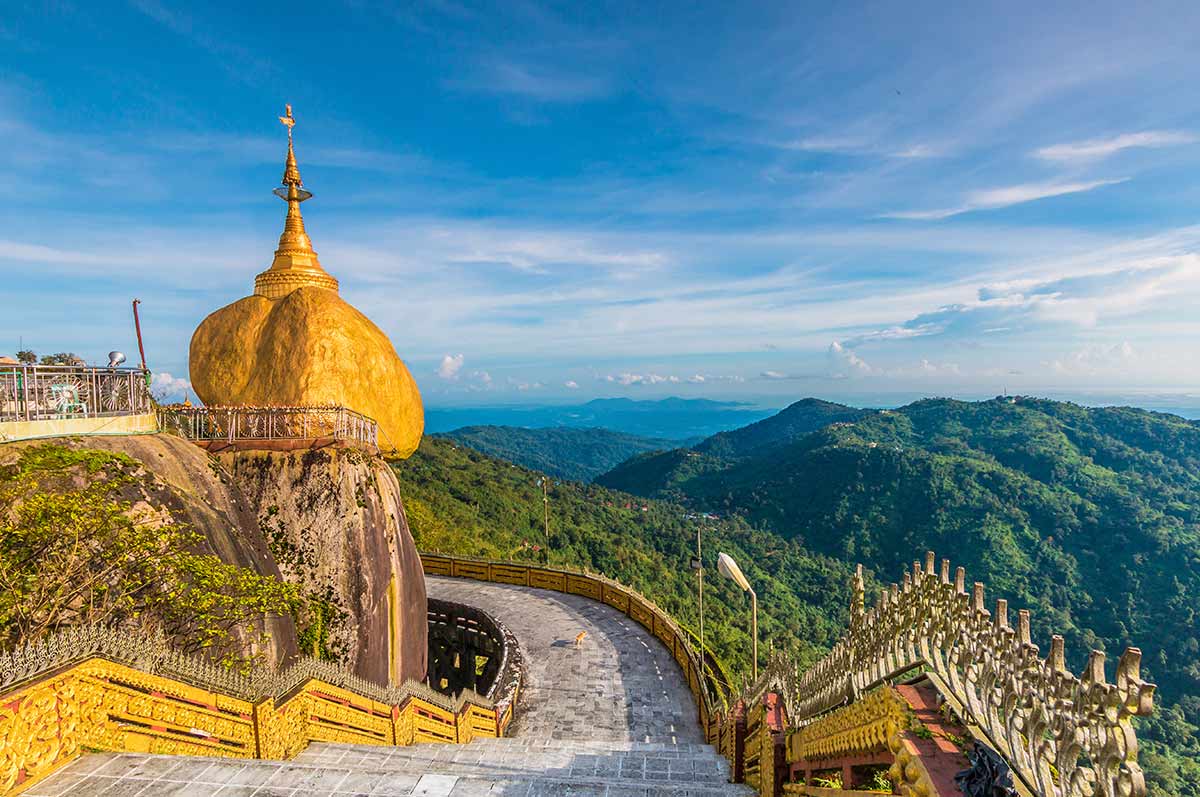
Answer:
(73, 552)
(62, 358)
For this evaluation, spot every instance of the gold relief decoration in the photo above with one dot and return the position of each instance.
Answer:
(103, 689)
(869, 725)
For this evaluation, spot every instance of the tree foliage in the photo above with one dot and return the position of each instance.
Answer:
(73, 551)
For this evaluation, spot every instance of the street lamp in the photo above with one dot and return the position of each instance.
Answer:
(731, 571)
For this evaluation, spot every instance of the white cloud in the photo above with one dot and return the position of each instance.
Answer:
(167, 388)
(844, 363)
(571, 384)
(996, 198)
(451, 365)
(482, 376)
(774, 375)
(1096, 359)
(628, 379)
(1099, 148)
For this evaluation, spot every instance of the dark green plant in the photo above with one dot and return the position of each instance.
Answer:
(74, 551)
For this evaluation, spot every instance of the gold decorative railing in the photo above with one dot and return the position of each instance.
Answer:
(55, 392)
(97, 689)
(240, 425)
(1063, 735)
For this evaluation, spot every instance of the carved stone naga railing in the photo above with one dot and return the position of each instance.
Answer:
(1063, 735)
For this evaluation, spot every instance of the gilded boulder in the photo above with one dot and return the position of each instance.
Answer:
(308, 347)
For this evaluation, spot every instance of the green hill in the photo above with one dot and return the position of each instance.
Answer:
(461, 501)
(662, 473)
(564, 452)
(1089, 517)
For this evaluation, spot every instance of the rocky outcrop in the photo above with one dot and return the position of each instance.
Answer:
(329, 520)
(182, 480)
(335, 525)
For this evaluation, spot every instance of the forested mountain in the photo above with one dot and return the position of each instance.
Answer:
(1089, 517)
(461, 501)
(563, 451)
(662, 472)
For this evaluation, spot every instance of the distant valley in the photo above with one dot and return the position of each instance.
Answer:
(564, 452)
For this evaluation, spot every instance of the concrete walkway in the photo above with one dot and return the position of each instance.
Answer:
(620, 684)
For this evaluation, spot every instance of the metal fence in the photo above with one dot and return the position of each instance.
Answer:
(56, 392)
(241, 424)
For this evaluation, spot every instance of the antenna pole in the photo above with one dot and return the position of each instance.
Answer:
(137, 326)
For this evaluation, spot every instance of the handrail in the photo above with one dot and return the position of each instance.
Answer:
(55, 392)
(95, 688)
(1063, 735)
(237, 424)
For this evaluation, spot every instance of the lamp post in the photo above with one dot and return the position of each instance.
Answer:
(544, 484)
(698, 566)
(731, 571)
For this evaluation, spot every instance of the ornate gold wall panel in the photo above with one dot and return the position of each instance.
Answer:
(866, 726)
(97, 704)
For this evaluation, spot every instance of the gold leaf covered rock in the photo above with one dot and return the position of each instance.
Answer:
(296, 342)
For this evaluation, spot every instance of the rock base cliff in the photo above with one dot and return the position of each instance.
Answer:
(335, 525)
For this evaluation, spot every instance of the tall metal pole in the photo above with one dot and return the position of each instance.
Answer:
(754, 631)
(137, 326)
(700, 576)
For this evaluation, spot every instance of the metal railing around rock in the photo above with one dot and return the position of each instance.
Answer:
(1063, 735)
(95, 688)
(244, 425)
(57, 392)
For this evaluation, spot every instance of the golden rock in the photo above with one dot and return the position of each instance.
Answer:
(295, 342)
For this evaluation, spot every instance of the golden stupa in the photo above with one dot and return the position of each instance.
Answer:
(295, 342)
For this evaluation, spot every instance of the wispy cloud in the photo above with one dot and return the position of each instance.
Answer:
(1099, 148)
(543, 83)
(995, 198)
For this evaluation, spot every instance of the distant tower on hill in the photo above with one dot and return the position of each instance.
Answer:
(296, 342)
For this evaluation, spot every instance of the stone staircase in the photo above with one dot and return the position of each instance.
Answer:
(509, 767)
(611, 718)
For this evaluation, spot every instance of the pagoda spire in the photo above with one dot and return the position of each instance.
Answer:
(295, 264)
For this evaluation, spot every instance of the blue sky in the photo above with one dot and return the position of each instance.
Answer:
(541, 202)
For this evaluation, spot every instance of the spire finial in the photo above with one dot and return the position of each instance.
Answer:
(288, 120)
(295, 263)
(291, 172)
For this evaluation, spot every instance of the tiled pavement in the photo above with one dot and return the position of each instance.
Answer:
(621, 683)
(612, 718)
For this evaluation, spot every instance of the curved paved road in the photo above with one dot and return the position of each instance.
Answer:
(620, 684)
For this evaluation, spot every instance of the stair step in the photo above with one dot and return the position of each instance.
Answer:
(151, 775)
(649, 766)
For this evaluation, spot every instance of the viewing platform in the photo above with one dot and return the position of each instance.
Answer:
(53, 400)
(270, 428)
